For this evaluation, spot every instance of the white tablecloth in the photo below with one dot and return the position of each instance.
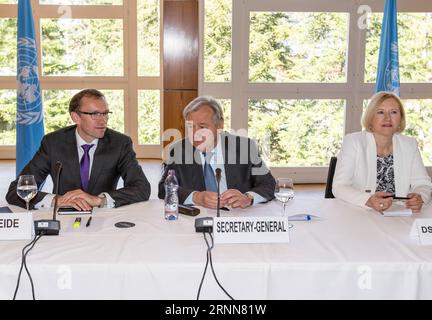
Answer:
(350, 254)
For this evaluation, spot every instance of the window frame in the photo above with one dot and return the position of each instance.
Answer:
(353, 91)
(130, 82)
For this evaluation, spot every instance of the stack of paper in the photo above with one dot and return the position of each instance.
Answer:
(398, 209)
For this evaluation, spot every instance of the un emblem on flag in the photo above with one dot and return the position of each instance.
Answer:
(29, 102)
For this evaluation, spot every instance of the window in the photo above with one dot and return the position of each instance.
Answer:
(149, 115)
(8, 46)
(226, 109)
(78, 2)
(415, 40)
(297, 73)
(217, 43)
(275, 125)
(419, 118)
(110, 45)
(7, 117)
(148, 38)
(82, 47)
(297, 46)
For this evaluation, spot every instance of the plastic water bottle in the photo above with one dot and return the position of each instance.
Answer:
(171, 196)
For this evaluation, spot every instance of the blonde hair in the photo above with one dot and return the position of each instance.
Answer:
(376, 100)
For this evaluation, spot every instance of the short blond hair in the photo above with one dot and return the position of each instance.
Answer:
(376, 100)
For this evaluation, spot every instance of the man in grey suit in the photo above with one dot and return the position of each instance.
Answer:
(93, 159)
(245, 180)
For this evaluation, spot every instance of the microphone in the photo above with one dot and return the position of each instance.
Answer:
(59, 166)
(51, 227)
(218, 178)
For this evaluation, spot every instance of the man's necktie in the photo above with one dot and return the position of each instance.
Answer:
(209, 177)
(85, 166)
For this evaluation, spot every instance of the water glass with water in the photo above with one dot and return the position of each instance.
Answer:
(284, 191)
(27, 188)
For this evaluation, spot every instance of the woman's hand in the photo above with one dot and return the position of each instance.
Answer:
(415, 202)
(380, 201)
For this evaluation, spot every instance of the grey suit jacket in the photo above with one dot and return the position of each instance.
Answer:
(244, 169)
(113, 158)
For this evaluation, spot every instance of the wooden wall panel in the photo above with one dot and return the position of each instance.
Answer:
(180, 56)
(175, 101)
(181, 44)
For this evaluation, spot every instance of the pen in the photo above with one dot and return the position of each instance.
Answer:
(88, 222)
(397, 198)
(300, 217)
(77, 223)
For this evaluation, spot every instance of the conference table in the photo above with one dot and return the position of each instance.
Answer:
(350, 253)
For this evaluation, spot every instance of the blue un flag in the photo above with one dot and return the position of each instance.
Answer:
(29, 126)
(388, 62)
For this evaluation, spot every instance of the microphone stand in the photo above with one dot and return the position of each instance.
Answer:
(218, 178)
(205, 224)
(59, 168)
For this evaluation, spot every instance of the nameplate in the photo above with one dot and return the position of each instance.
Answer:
(16, 226)
(422, 228)
(251, 230)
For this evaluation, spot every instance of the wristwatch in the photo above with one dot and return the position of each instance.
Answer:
(247, 194)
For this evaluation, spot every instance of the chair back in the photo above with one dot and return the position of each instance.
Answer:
(332, 166)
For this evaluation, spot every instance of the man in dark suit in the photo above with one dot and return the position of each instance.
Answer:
(245, 180)
(93, 158)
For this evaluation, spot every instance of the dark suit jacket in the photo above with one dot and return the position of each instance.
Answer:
(113, 158)
(244, 169)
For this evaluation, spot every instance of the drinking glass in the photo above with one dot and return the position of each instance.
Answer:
(27, 189)
(284, 191)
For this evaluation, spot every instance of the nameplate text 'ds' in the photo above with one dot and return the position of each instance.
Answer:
(16, 226)
(422, 228)
(251, 230)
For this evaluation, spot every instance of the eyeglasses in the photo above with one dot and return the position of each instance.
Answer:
(97, 115)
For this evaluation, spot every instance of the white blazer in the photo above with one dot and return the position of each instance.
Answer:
(355, 178)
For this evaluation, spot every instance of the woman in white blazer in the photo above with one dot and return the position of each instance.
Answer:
(380, 162)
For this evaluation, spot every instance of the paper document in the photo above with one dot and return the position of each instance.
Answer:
(72, 211)
(398, 209)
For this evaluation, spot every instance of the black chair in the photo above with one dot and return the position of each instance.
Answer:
(332, 166)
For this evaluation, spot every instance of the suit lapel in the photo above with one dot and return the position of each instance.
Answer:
(198, 176)
(73, 166)
(197, 170)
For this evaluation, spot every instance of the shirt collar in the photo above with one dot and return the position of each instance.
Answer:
(217, 157)
(80, 141)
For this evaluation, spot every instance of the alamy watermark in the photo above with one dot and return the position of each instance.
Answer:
(237, 148)
(363, 10)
